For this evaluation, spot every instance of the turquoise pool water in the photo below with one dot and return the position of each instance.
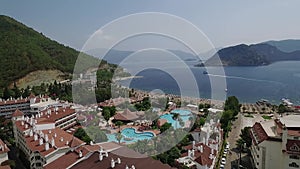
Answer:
(130, 136)
(134, 136)
(184, 115)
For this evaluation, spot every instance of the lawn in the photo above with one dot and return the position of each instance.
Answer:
(249, 115)
(266, 117)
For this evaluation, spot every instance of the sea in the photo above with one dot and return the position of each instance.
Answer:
(249, 84)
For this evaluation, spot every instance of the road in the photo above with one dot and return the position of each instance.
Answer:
(233, 157)
(233, 136)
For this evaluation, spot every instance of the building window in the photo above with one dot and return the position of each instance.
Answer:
(294, 157)
(296, 138)
(257, 156)
(293, 164)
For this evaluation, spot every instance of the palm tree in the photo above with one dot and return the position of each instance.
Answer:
(119, 137)
(175, 117)
(119, 124)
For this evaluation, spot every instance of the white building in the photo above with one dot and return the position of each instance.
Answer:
(276, 143)
(202, 153)
(7, 107)
(42, 138)
(210, 133)
(198, 155)
(38, 104)
(3, 152)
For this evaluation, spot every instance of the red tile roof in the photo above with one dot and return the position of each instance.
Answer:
(20, 126)
(55, 115)
(31, 96)
(15, 101)
(75, 142)
(67, 138)
(72, 157)
(63, 162)
(293, 146)
(145, 163)
(258, 133)
(5, 167)
(127, 115)
(17, 113)
(161, 122)
(201, 158)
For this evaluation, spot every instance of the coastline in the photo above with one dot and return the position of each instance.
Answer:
(126, 78)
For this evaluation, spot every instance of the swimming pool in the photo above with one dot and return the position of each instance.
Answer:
(183, 114)
(130, 136)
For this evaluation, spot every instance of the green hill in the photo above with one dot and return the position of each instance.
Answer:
(290, 45)
(23, 50)
(253, 55)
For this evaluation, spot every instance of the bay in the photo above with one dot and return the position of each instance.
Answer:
(250, 84)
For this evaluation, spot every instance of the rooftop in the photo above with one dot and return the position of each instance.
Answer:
(126, 115)
(145, 163)
(17, 113)
(59, 137)
(268, 127)
(72, 157)
(291, 121)
(14, 101)
(201, 155)
(258, 133)
(53, 114)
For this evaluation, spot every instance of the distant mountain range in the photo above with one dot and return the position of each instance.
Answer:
(256, 55)
(24, 50)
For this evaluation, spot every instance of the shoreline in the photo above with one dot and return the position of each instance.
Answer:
(126, 78)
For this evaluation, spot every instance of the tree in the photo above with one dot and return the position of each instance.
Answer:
(232, 103)
(82, 135)
(26, 92)
(176, 117)
(225, 120)
(106, 114)
(202, 121)
(7, 93)
(96, 134)
(100, 136)
(17, 92)
(245, 136)
(144, 105)
(119, 124)
(281, 109)
(119, 137)
(165, 127)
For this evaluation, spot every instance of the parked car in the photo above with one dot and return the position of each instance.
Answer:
(227, 146)
(223, 161)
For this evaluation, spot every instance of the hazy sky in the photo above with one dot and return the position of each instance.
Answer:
(229, 22)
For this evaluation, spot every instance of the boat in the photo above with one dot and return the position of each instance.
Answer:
(226, 90)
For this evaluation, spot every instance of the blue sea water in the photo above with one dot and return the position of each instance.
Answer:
(249, 84)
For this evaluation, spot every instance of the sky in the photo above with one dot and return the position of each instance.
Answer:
(225, 23)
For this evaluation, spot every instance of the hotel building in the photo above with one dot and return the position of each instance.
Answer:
(276, 143)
